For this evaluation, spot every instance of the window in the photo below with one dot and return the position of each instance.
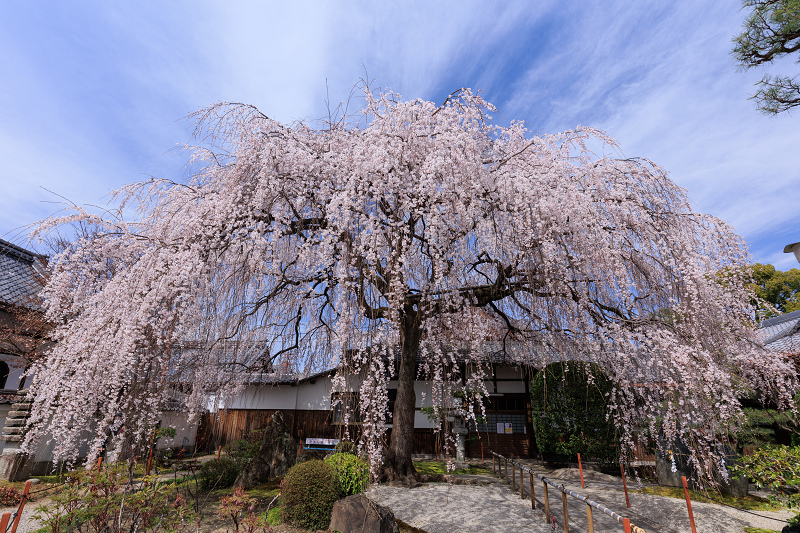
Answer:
(345, 403)
(3, 374)
(390, 405)
(503, 410)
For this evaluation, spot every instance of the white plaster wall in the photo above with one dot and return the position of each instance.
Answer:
(265, 397)
(185, 430)
(15, 369)
(510, 387)
(315, 396)
(508, 372)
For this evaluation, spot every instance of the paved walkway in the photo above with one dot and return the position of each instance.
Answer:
(493, 506)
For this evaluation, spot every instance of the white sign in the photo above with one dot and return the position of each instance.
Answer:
(509, 429)
(322, 442)
(501, 427)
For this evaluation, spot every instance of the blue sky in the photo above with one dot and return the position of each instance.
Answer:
(95, 94)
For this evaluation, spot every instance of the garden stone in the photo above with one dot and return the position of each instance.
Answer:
(790, 529)
(359, 514)
(276, 455)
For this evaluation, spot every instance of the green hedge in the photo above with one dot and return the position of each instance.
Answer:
(569, 413)
(308, 492)
(218, 473)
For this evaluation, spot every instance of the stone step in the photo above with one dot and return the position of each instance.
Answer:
(12, 430)
(11, 438)
(22, 406)
(19, 414)
(14, 422)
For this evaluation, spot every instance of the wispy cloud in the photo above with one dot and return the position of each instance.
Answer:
(96, 93)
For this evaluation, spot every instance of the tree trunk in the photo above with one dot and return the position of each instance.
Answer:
(398, 466)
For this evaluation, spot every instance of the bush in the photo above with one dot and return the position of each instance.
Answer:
(242, 451)
(776, 467)
(9, 496)
(309, 490)
(218, 473)
(345, 446)
(352, 472)
(309, 455)
(569, 413)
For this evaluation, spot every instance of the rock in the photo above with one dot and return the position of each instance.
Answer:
(790, 529)
(276, 455)
(359, 514)
(733, 487)
(34, 481)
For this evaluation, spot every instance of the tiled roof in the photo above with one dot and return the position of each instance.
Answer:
(781, 333)
(21, 275)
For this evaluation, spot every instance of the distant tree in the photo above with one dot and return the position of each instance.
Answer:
(781, 290)
(378, 230)
(771, 30)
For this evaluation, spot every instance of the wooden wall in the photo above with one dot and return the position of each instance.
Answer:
(223, 427)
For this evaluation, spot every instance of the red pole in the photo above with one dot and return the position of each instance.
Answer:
(21, 507)
(4, 521)
(219, 451)
(100, 462)
(580, 467)
(626, 523)
(625, 486)
(688, 504)
(149, 461)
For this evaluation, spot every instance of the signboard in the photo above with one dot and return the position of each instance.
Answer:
(509, 428)
(504, 428)
(322, 442)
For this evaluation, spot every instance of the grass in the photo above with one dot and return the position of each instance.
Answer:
(750, 503)
(440, 467)
(748, 529)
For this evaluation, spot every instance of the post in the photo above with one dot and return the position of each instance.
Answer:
(506, 467)
(546, 504)
(21, 506)
(493, 469)
(149, 462)
(589, 518)
(566, 513)
(513, 477)
(219, 451)
(626, 523)
(625, 486)
(688, 504)
(521, 484)
(580, 468)
(482, 463)
(4, 521)
(100, 462)
(533, 500)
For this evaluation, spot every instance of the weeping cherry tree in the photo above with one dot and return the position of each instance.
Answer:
(382, 229)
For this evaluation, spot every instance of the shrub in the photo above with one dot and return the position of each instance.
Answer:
(309, 490)
(776, 467)
(308, 455)
(345, 446)
(352, 472)
(242, 451)
(94, 501)
(9, 496)
(218, 473)
(569, 412)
